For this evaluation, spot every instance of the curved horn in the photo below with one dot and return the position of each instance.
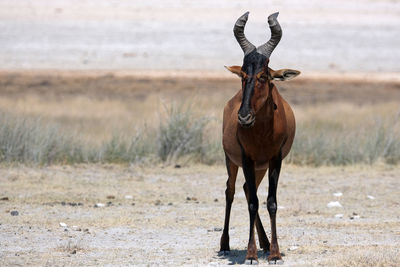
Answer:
(238, 31)
(276, 35)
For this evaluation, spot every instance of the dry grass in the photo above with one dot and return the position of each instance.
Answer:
(108, 118)
(342, 134)
(380, 256)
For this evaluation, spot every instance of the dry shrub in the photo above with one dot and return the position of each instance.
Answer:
(183, 135)
(332, 141)
(24, 140)
(179, 135)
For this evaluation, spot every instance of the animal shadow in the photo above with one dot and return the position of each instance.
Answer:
(237, 256)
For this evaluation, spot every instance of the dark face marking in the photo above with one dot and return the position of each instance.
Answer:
(253, 64)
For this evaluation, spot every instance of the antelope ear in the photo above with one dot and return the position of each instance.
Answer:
(283, 74)
(235, 69)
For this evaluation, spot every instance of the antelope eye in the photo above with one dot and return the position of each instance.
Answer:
(262, 79)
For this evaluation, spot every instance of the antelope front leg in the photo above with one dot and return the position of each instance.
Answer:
(249, 174)
(229, 195)
(262, 236)
(273, 176)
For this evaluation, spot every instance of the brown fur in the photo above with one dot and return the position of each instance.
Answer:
(261, 141)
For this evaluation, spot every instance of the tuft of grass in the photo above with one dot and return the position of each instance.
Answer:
(120, 149)
(72, 246)
(180, 134)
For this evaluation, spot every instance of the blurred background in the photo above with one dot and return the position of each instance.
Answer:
(111, 73)
(328, 36)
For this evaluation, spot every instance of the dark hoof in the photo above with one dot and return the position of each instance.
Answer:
(224, 253)
(251, 262)
(275, 261)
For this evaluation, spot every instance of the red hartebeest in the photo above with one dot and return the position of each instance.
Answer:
(258, 132)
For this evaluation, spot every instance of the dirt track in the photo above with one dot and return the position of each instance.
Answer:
(176, 215)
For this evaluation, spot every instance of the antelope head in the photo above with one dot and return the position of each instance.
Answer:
(255, 74)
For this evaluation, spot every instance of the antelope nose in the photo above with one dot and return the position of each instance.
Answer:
(244, 118)
(246, 121)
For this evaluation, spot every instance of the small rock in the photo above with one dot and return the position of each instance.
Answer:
(339, 215)
(217, 229)
(370, 197)
(158, 202)
(110, 197)
(325, 241)
(63, 203)
(76, 228)
(281, 207)
(65, 230)
(188, 198)
(73, 252)
(170, 204)
(177, 166)
(292, 248)
(338, 194)
(334, 204)
(128, 197)
(63, 224)
(216, 200)
(194, 199)
(99, 205)
(4, 199)
(14, 213)
(133, 204)
(355, 217)
(109, 203)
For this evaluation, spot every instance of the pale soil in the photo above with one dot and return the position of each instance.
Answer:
(163, 227)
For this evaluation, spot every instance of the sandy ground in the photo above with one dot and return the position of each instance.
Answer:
(327, 36)
(176, 214)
